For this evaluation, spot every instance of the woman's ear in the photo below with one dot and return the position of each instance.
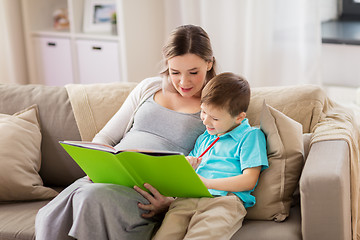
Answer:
(210, 65)
(240, 117)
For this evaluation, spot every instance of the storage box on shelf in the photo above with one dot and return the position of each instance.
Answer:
(97, 61)
(53, 60)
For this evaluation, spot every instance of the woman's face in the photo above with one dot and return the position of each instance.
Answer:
(188, 73)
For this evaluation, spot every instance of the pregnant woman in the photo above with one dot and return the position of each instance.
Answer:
(161, 113)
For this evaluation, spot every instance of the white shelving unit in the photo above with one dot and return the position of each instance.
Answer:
(59, 57)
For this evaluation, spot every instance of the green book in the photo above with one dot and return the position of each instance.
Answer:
(169, 172)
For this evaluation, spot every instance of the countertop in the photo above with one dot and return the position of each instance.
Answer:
(341, 32)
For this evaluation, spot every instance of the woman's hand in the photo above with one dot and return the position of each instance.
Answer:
(88, 178)
(158, 203)
(194, 161)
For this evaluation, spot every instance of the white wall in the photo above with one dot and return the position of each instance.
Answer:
(143, 24)
(13, 68)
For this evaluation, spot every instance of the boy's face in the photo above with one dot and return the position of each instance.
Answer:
(218, 121)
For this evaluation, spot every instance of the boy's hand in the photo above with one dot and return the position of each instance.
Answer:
(194, 161)
(205, 181)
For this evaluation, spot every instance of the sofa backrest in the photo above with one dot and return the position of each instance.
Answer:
(57, 123)
(303, 103)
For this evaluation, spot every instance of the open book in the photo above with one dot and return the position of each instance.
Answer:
(169, 172)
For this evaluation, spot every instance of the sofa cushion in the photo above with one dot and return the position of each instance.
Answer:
(20, 157)
(17, 220)
(270, 230)
(285, 149)
(57, 123)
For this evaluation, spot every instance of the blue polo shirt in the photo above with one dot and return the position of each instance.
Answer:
(243, 147)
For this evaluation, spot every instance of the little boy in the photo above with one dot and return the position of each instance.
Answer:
(230, 169)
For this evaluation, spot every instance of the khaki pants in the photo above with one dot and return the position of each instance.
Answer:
(202, 218)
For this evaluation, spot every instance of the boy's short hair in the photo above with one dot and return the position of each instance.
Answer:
(228, 91)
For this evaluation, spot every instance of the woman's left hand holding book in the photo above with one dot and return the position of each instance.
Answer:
(158, 203)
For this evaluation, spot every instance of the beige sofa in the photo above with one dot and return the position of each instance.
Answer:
(320, 208)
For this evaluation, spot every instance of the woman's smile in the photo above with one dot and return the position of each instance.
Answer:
(186, 89)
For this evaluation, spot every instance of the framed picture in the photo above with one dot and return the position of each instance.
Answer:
(98, 15)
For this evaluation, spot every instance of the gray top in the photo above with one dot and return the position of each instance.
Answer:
(158, 128)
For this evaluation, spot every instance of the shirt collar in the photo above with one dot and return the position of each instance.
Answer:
(237, 132)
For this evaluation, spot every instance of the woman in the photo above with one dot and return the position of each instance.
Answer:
(159, 114)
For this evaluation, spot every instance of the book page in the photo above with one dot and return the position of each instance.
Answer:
(108, 148)
(92, 145)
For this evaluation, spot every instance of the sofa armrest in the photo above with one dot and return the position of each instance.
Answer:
(325, 192)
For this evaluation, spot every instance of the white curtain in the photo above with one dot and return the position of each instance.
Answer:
(270, 42)
(13, 67)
